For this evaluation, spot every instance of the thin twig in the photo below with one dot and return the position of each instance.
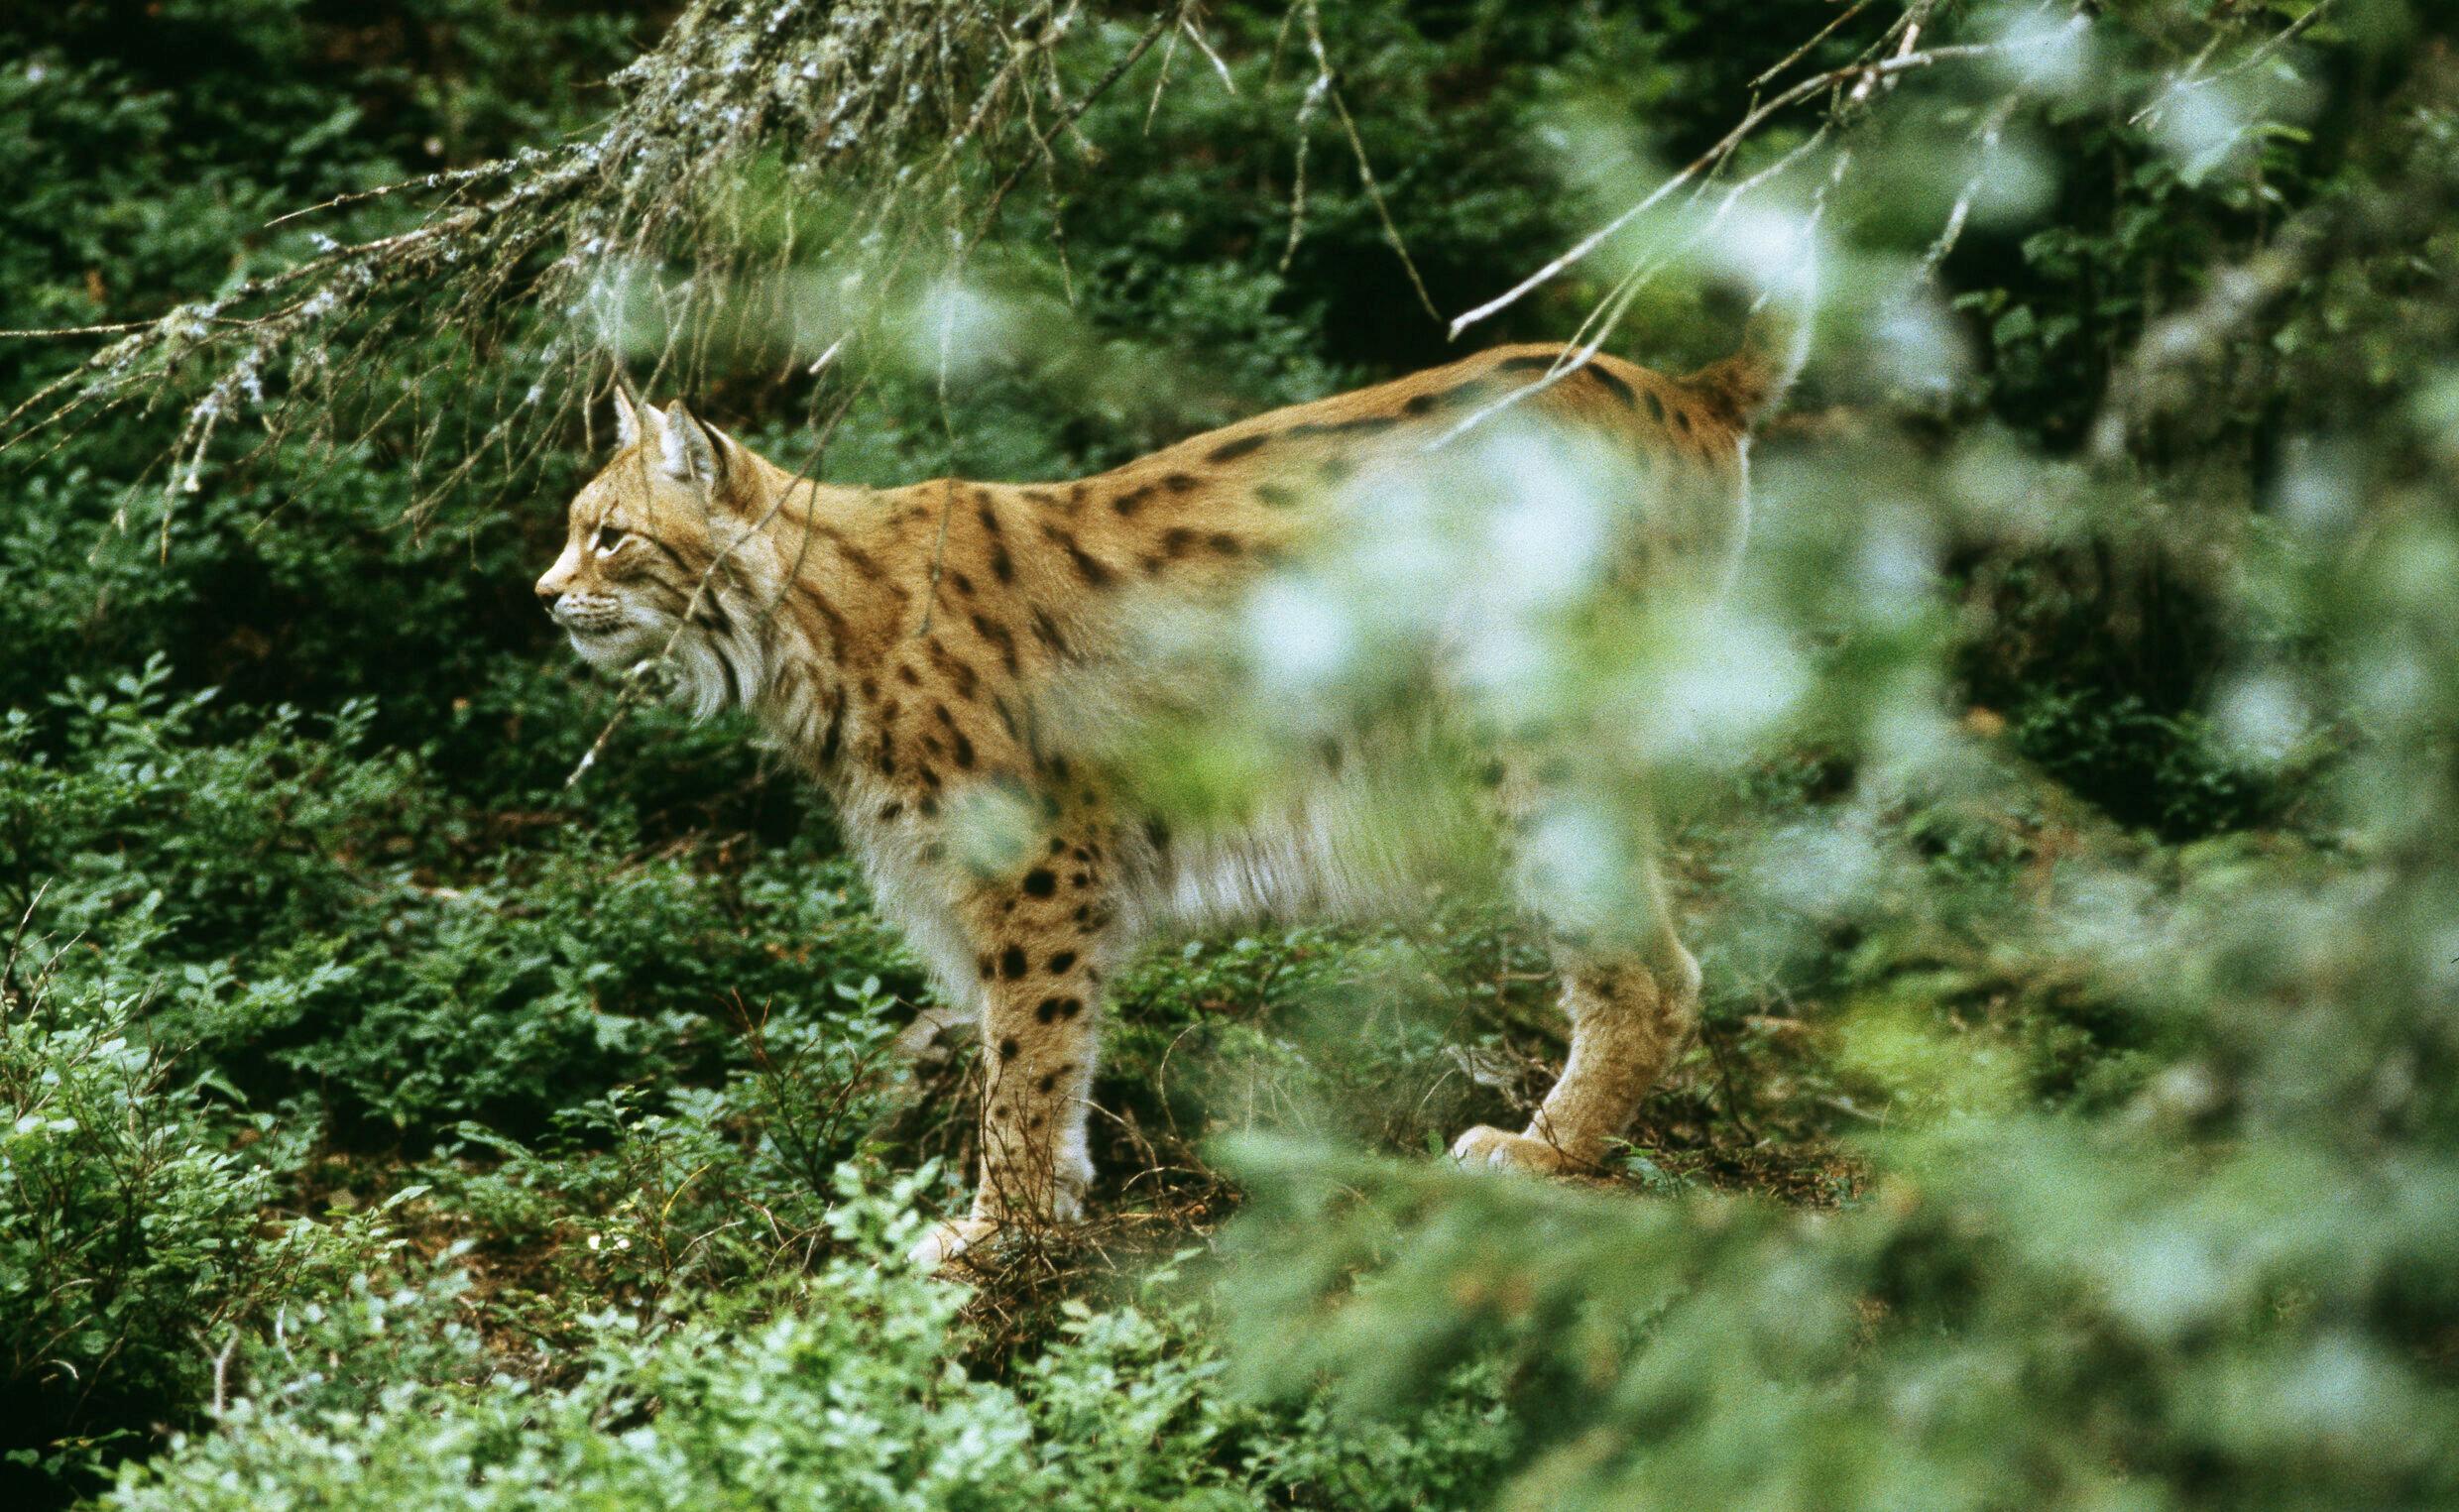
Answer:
(2189, 82)
(1366, 170)
(1750, 122)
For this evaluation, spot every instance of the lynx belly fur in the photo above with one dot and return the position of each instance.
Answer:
(949, 650)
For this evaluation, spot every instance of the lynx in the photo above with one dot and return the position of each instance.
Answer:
(934, 653)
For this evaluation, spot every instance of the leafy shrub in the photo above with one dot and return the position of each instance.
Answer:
(2165, 772)
(133, 1238)
(839, 1392)
(407, 1001)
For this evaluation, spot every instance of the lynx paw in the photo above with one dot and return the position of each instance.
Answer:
(950, 1238)
(1485, 1149)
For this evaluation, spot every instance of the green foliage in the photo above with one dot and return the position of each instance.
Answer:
(405, 1001)
(138, 1241)
(835, 1392)
(2043, 1316)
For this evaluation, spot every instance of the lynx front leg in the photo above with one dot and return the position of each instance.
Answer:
(1042, 944)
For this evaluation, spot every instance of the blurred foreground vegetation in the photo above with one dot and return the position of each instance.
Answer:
(2065, 813)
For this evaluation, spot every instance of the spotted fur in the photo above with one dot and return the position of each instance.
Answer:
(953, 658)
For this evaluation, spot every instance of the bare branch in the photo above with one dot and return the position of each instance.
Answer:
(1752, 120)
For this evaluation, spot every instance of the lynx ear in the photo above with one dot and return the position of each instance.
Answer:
(627, 420)
(690, 452)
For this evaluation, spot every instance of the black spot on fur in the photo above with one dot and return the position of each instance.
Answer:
(1007, 1047)
(1002, 566)
(1012, 962)
(1091, 568)
(1061, 961)
(1130, 501)
(1179, 483)
(1682, 422)
(1612, 381)
(1050, 1079)
(861, 561)
(963, 675)
(834, 735)
(1278, 495)
(1333, 471)
(890, 810)
(1656, 406)
(1046, 631)
(823, 607)
(1364, 425)
(1038, 882)
(1230, 451)
(964, 584)
(964, 751)
(997, 633)
(1048, 1010)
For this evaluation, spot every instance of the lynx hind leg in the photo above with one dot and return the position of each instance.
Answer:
(1042, 940)
(1631, 994)
(1630, 1015)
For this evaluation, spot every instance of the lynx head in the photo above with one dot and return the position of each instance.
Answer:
(652, 552)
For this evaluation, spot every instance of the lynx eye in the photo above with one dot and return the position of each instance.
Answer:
(607, 538)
